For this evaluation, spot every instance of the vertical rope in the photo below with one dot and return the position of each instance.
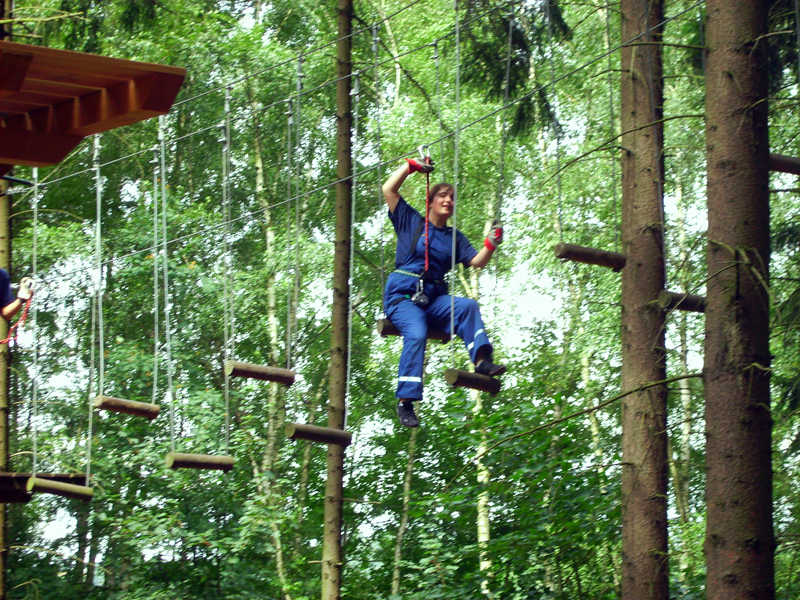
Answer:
(439, 109)
(289, 177)
(165, 279)
(156, 332)
(226, 259)
(612, 129)
(351, 274)
(455, 183)
(556, 126)
(35, 273)
(98, 259)
(377, 119)
(506, 94)
(797, 27)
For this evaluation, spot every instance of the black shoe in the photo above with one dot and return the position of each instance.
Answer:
(487, 367)
(405, 410)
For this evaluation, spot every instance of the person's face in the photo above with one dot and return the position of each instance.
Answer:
(442, 204)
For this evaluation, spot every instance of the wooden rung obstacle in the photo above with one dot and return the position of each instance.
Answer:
(677, 301)
(179, 460)
(324, 435)
(386, 328)
(59, 488)
(474, 381)
(240, 369)
(784, 164)
(128, 407)
(13, 486)
(591, 256)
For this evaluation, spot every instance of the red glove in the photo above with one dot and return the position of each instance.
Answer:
(495, 236)
(417, 166)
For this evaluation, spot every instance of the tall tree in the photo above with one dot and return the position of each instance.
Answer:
(739, 542)
(644, 442)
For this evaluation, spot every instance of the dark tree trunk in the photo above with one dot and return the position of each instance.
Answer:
(332, 540)
(644, 442)
(740, 543)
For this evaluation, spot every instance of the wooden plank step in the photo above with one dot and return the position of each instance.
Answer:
(324, 435)
(784, 164)
(240, 369)
(180, 460)
(59, 488)
(128, 407)
(13, 485)
(591, 256)
(474, 381)
(386, 327)
(678, 301)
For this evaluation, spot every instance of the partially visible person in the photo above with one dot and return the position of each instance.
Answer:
(10, 304)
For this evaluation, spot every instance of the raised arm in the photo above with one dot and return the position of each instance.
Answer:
(490, 244)
(391, 189)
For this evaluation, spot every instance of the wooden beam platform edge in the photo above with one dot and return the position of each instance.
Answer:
(59, 488)
(235, 368)
(180, 460)
(313, 433)
(128, 407)
(590, 256)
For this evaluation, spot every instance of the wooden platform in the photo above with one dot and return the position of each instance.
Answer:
(13, 485)
(590, 256)
(240, 369)
(51, 99)
(386, 327)
(474, 381)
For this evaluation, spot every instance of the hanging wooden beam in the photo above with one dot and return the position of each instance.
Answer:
(784, 164)
(324, 435)
(179, 460)
(474, 381)
(677, 301)
(13, 485)
(278, 375)
(128, 407)
(591, 256)
(59, 488)
(386, 327)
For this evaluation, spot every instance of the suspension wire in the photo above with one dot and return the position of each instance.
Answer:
(351, 275)
(35, 273)
(439, 108)
(227, 276)
(455, 183)
(555, 123)
(165, 278)
(504, 126)
(156, 332)
(98, 254)
(797, 27)
(253, 214)
(289, 177)
(377, 119)
(612, 129)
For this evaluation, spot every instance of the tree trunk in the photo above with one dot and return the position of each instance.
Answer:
(332, 532)
(740, 543)
(401, 530)
(644, 438)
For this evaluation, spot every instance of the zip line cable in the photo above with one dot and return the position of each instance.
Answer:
(250, 215)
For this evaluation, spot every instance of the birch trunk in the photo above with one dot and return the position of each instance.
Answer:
(401, 530)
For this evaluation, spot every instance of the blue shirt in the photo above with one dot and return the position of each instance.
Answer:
(407, 221)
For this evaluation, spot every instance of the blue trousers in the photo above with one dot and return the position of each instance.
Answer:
(413, 322)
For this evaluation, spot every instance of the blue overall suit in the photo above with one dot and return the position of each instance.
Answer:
(412, 320)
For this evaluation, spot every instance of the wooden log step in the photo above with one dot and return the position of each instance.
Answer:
(59, 488)
(179, 460)
(386, 327)
(677, 301)
(13, 486)
(474, 381)
(128, 407)
(784, 164)
(240, 369)
(324, 435)
(591, 256)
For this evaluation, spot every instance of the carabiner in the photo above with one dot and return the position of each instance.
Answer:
(424, 152)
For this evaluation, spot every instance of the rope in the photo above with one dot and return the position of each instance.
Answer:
(35, 268)
(156, 333)
(439, 108)
(377, 119)
(165, 272)
(455, 182)
(611, 129)
(556, 126)
(353, 188)
(506, 93)
(227, 266)
(13, 331)
(290, 119)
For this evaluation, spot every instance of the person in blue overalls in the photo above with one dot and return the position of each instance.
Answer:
(416, 298)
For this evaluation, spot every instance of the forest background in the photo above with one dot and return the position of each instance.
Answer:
(536, 516)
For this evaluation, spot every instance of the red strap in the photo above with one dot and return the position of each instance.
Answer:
(427, 212)
(20, 322)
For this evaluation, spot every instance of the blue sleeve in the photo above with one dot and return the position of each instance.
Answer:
(465, 250)
(405, 220)
(6, 295)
